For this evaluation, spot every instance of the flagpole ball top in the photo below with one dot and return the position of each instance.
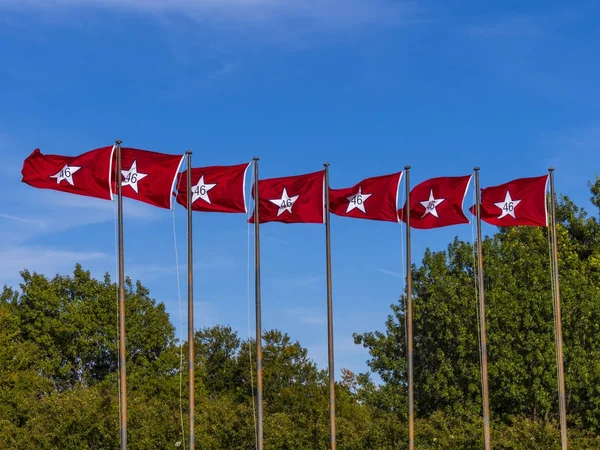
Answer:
(476, 168)
(326, 164)
(550, 169)
(256, 158)
(188, 152)
(119, 141)
(406, 167)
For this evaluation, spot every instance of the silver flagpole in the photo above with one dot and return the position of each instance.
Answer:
(484, 366)
(562, 404)
(409, 324)
(259, 380)
(329, 314)
(190, 263)
(122, 371)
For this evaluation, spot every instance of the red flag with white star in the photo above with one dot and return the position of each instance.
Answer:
(437, 202)
(147, 176)
(518, 202)
(86, 174)
(215, 188)
(296, 199)
(373, 198)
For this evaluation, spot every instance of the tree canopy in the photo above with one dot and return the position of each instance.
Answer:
(59, 376)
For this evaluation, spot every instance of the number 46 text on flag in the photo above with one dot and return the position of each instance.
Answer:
(373, 198)
(147, 176)
(215, 189)
(86, 174)
(518, 202)
(437, 202)
(295, 199)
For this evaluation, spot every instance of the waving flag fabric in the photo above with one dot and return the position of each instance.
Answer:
(295, 199)
(148, 176)
(86, 174)
(373, 198)
(215, 188)
(437, 202)
(518, 202)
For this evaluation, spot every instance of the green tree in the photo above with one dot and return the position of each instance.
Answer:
(58, 371)
(520, 327)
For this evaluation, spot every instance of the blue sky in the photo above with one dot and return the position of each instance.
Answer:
(368, 86)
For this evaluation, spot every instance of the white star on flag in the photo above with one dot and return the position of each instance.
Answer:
(431, 204)
(284, 203)
(66, 173)
(508, 206)
(357, 201)
(132, 176)
(201, 189)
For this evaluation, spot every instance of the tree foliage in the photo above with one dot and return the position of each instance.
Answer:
(59, 375)
(520, 329)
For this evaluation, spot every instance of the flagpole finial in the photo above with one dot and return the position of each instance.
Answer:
(550, 169)
(256, 158)
(406, 167)
(476, 168)
(118, 141)
(326, 164)
(188, 152)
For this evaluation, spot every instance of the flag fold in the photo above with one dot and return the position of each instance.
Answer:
(215, 188)
(437, 202)
(519, 202)
(295, 199)
(148, 176)
(374, 198)
(86, 174)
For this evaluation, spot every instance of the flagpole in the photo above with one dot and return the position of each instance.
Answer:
(190, 303)
(484, 368)
(329, 313)
(122, 371)
(409, 330)
(557, 322)
(259, 380)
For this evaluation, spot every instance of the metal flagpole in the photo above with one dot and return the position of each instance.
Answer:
(190, 302)
(122, 371)
(329, 313)
(557, 322)
(409, 330)
(484, 370)
(259, 381)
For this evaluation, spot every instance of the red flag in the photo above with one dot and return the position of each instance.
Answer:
(437, 202)
(87, 174)
(215, 188)
(296, 199)
(518, 202)
(373, 198)
(148, 176)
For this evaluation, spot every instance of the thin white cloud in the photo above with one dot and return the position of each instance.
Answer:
(205, 314)
(297, 281)
(307, 280)
(389, 272)
(306, 316)
(105, 209)
(559, 146)
(582, 139)
(347, 354)
(269, 238)
(36, 222)
(44, 211)
(48, 261)
(326, 13)
(145, 271)
(509, 27)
